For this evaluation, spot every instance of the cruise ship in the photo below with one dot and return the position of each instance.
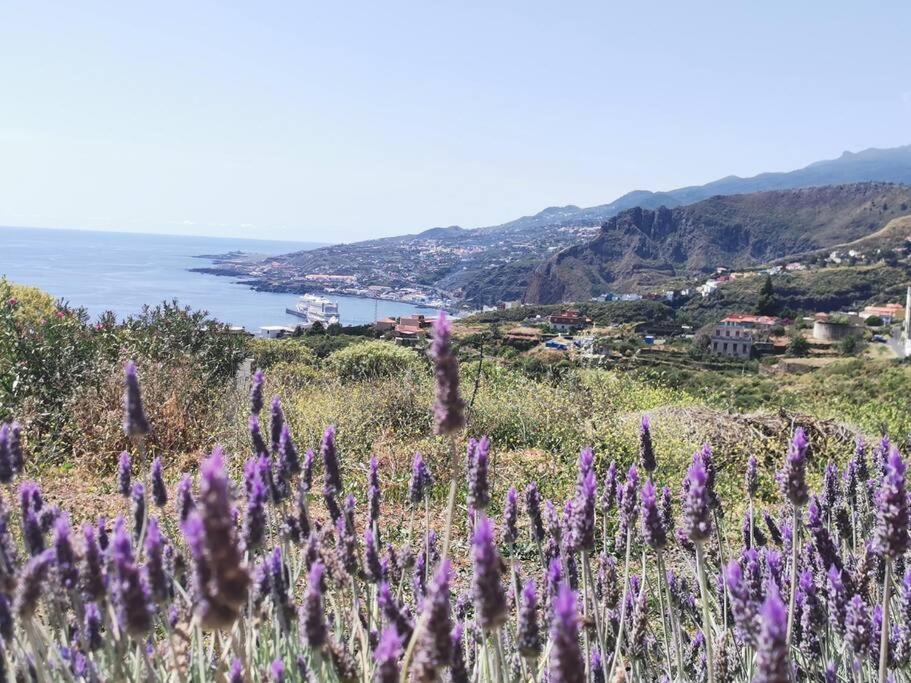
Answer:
(315, 308)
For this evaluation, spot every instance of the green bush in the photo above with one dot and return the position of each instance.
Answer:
(372, 359)
(874, 321)
(268, 352)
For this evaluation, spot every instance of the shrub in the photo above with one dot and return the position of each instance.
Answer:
(372, 359)
(268, 352)
(874, 321)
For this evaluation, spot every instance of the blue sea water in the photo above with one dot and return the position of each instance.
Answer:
(119, 272)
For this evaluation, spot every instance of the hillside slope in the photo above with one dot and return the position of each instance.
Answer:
(642, 247)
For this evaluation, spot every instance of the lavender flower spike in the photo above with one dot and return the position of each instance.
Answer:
(434, 647)
(17, 455)
(533, 508)
(646, 449)
(333, 473)
(772, 659)
(256, 392)
(792, 476)
(697, 518)
(892, 514)
(32, 582)
(159, 490)
(131, 594)
(752, 476)
(312, 615)
(566, 663)
(511, 516)
(124, 474)
(6, 458)
(583, 517)
(528, 634)
(489, 598)
(135, 424)
(478, 485)
(185, 502)
(448, 407)
(653, 528)
(420, 480)
(386, 656)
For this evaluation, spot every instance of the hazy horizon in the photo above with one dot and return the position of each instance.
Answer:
(342, 123)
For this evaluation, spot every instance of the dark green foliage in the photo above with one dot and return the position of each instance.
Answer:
(799, 346)
(767, 304)
(873, 321)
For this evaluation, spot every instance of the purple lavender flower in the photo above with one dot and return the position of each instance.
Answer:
(434, 647)
(611, 488)
(255, 519)
(646, 450)
(32, 582)
(306, 481)
(156, 576)
(667, 510)
(628, 502)
(17, 455)
(772, 659)
(277, 425)
(448, 406)
(138, 496)
(6, 458)
(478, 485)
(314, 620)
(131, 594)
(185, 502)
(236, 672)
(752, 476)
(393, 612)
(216, 549)
(135, 424)
(653, 530)
(278, 585)
(256, 392)
(386, 656)
(511, 517)
(697, 518)
(858, 632)
(583, 517)
(159, 490)
(277, 671)
(372, 558)
(420, 480)
(743, 606)
(124, 474)
(256, 438)
(32, 535)
(458, 668)
(566, 663)
(821, 537)
(528, 635)
(533, 508)
(892, 513)
(65, 556)
(92, 627)
(586, 464)
(489, 598)
(288, 450)
(792, 476)
(830, 488)
(333, 473)
(860, 459)
(92, 574)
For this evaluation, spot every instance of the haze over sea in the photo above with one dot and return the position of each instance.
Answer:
(120, 272)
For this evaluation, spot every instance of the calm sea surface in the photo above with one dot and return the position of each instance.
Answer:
(120, 272)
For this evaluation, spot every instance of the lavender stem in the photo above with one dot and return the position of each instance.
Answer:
(706, 617)
(619, 643)
(884, 634)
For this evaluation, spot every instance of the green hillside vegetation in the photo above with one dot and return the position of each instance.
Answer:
(642, 248)
(802, 292)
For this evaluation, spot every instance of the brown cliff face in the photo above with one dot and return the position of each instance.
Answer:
(641, 248)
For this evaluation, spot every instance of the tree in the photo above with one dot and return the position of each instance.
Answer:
(799, 346)
(768, 303)
(874, 321)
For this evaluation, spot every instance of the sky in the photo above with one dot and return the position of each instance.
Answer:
(340, 121)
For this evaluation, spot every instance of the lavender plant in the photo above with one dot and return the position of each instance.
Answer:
(241, 583)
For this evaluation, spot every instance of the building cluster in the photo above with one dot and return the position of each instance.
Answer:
(738, 335)
(407, 329)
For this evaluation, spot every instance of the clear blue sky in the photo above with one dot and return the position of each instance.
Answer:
(336, 121)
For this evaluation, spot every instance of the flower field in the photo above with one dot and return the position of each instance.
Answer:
(268, 564)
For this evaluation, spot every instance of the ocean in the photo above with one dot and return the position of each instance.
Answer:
(120, 272)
